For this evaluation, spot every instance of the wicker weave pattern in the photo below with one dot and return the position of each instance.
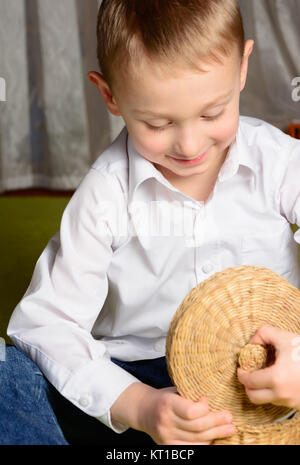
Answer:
(207, 339)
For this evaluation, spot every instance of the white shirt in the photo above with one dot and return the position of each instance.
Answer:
(107, 287)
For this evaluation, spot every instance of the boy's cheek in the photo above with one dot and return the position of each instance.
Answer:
(226, 132)
(150, 147)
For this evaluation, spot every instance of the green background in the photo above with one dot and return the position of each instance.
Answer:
(27, 226)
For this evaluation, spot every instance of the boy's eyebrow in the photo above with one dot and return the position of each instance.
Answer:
(221, 99)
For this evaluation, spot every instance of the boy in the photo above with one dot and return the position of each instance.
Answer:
(98, 309)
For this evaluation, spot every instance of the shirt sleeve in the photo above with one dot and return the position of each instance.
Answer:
(290, 190)
(53, 322)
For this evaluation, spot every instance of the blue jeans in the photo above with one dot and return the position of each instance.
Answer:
(32, 412)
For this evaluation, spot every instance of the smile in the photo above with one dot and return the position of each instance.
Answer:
(193, 162)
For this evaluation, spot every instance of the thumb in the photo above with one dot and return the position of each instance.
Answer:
(269, 335)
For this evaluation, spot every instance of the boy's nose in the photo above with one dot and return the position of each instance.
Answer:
(189, 145)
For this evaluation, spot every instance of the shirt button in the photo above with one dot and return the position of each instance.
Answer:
(207, 268)
(84, 401)
(159, 346)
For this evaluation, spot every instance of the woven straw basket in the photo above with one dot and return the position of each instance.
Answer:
(208, 339)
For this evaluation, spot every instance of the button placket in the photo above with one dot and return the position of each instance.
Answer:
(199, 227)
(199, 239)
(189, 219)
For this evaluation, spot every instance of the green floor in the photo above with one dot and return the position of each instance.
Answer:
(27, 224)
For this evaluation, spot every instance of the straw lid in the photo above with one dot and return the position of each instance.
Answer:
(209, 334)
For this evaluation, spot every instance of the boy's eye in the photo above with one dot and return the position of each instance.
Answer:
(163, 128)
(211, 118)
(157, 128)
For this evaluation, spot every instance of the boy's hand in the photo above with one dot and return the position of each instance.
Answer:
(278, 384)
(168, 418)
(172, 420)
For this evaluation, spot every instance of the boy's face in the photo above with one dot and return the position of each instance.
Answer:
(183, 123)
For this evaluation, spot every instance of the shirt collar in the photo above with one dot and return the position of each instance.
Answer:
(141, 169)
(239, 154)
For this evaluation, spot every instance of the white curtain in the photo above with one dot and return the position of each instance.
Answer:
(54, 124)
(275, 64)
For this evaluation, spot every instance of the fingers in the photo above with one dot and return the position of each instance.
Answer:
(185, 421)
(198, 423)
(259, 385)
(219, 432)
(259, 379)
(209, 435)
(260, 396)
(268, 335)
(212, 426)
(206, 422)
(186, 410)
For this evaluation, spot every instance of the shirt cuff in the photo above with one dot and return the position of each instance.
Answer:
(95, 387)
(114, 425)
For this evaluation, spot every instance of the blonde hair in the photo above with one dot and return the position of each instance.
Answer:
(165, 31)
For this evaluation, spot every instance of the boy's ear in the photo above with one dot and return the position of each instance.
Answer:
(104, 89)
(249, 45)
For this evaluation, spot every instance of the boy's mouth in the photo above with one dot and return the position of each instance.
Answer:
(193, 162)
